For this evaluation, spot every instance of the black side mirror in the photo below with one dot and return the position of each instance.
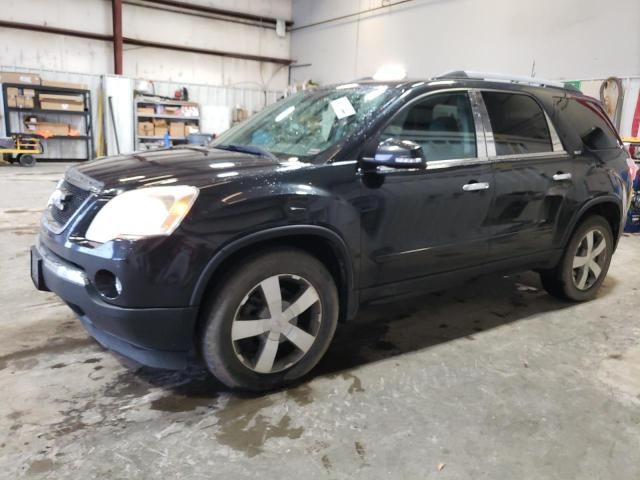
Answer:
(395, 153)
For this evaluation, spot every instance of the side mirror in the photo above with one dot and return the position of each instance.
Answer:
(395, 153)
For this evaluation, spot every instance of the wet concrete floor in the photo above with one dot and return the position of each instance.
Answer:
(494, 379)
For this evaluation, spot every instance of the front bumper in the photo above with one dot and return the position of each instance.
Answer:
(156, 337)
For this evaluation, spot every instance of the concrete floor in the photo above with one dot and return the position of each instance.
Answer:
(492, 380)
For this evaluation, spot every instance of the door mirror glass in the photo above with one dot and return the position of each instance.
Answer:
(396, 153)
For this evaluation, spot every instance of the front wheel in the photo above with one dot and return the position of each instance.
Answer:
(271, 321)
(585, 263)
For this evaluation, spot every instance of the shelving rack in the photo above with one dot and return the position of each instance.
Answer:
(143, 142)
(11, 113)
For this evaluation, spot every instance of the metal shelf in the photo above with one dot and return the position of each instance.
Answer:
(154, 137)
(53, 137)
(40, 110)
(159, 101)
(87, 136)
(42, 88)
(172, 117)
(140, 140)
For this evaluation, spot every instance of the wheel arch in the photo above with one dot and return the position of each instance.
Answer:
(321, 242)
(607, 206)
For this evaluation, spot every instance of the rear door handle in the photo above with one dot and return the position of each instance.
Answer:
(559, 177)
(474, 187)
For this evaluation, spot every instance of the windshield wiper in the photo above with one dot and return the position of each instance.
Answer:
(252, 149)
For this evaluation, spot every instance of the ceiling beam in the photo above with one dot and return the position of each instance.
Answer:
(218, 11)
(143, 43)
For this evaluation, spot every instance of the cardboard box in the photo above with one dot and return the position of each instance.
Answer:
(171, 110)
(160, 127)
(50, 129)
(73, 103)
(12, 94)
(23, 101)
(27, 92)
(56, 84)
(146, 110)
(176, 129)
(145, 129)
(160, 131)
(188, 129)
(18, 77)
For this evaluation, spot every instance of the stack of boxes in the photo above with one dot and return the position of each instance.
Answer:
(71, 103)
(20, 97)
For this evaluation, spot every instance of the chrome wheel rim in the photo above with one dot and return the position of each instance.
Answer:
(589, 259)
(276, 323)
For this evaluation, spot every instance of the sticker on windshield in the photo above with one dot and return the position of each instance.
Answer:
(342, 108)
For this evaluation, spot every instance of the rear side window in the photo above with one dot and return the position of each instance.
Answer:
(519, 124)
(589, 122)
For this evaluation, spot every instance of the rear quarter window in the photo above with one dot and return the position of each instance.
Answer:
(589, 122)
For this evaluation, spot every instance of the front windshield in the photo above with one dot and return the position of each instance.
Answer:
(308, 123)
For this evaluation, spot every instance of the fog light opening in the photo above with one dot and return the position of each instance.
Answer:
(108, 284)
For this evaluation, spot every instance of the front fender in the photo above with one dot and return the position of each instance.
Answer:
(336, 241)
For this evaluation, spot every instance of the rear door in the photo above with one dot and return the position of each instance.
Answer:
(533, 176)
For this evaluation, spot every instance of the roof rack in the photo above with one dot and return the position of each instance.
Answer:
(501, 77)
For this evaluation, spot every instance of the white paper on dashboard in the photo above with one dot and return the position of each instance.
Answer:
(342, 108)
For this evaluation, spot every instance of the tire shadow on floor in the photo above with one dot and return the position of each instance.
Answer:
(392, 329)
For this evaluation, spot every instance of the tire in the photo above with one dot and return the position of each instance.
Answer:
(27, 160)
(569, 283)
(240, 352)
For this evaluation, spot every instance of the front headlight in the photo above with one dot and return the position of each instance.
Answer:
(142, 213)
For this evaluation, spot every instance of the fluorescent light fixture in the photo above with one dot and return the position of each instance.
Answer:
(390, 72)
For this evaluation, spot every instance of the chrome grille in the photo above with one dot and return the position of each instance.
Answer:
(72, 198)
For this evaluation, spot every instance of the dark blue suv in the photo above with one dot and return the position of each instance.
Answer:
(251, 250)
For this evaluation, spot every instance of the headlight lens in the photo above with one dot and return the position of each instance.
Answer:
(142, 213)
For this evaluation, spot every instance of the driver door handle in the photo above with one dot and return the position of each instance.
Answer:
(559, 177)
(475, 186)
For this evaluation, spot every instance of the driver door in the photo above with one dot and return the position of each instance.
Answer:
(422, 222)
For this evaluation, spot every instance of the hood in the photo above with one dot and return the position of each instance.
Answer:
(197, 166)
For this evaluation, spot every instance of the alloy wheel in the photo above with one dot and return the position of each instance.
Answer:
(276, 323)
(589, 259)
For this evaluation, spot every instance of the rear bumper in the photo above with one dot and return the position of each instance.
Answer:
(156, 337)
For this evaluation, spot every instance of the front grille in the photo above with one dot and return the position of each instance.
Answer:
(73, 198)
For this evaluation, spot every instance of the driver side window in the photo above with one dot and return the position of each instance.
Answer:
(442, 124)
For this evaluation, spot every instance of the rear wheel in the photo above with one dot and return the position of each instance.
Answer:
(584, 264)
(271, 321)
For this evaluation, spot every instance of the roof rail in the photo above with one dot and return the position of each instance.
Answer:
(502, 77)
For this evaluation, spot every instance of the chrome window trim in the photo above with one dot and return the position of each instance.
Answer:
(490, 141)
(455, 162)
(475, 98)
(556, 143)
(525, 156)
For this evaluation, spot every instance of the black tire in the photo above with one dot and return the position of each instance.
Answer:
(27, 160)
(226, 359)
(562, 281)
